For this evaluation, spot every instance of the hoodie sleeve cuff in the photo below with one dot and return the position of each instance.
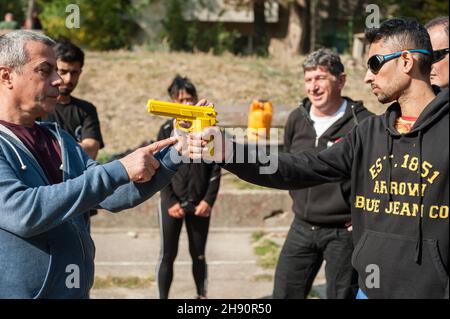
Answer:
(170, 158)
(117, 172)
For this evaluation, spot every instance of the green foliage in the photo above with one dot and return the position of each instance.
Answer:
(183, 35)
(263, 277)
(176, 29)
(104, 157)
(257, 235)
(422, 10)
(267, 250)
(122, 282)
(213, 39)
(104, 24)
(17, 8)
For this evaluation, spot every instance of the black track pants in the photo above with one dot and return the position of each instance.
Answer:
(170, 228)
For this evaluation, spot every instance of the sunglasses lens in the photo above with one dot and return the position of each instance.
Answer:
(374, 64)
(439, 55)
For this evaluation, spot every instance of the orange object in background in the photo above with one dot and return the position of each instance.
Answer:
(259, 119)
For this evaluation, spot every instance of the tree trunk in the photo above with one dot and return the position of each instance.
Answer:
(305, 14)
(29, 18)
(313, 23)
(295, 18)
(260, 30)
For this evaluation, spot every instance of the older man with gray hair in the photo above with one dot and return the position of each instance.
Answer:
(48, 182)
(438, 31)
(321, 228)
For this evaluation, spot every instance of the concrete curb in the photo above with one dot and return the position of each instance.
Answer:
(233, 208)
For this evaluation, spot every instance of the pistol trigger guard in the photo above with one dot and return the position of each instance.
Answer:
(187, 130)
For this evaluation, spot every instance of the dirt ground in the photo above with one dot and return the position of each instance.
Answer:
(132, 256)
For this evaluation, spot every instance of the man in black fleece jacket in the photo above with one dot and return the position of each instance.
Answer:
(320, 230)
(397, 164)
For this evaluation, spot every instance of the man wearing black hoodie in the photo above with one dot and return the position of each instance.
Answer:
(320, 229)
(397, 164)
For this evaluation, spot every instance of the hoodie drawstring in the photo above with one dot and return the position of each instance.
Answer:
(419, 242)
(22, 164)
(60, 143)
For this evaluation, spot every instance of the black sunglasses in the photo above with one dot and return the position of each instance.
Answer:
(376, 61)
(439, 55)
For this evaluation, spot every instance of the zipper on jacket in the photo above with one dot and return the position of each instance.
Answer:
(316, 144)
(83, 250)
(84, 284)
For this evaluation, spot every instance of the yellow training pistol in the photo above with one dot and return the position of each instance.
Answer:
(199, 116)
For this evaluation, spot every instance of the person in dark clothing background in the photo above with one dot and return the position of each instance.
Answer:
(397, 164)
(76, 116)
(321, 228)
(190, 197)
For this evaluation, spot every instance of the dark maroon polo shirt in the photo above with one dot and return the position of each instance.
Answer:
(43, 145)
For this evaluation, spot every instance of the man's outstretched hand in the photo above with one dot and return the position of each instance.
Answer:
(200, 145)
(141, 165)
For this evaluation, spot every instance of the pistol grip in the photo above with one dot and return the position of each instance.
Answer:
(197, 127)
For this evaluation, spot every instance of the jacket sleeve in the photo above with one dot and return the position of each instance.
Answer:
(214, 184)
(133, 194)
(28, 211)
(167, 193)
(295, 171)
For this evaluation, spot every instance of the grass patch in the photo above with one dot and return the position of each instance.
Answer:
(263, 277)
(257, 235)
(104, 157)
(122, 282)
(265, 246)
(267, 250)
(240, 184)
(313, 295)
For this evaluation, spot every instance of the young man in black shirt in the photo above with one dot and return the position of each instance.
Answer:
(78, 117)
(190, 197)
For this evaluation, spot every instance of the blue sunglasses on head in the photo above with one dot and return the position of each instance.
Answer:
(376, 62)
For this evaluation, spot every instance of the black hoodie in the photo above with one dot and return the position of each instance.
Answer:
(327, 204)
(397, 253)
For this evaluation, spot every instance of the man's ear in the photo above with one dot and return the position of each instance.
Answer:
(342, 79)
(407, 60)
(6, 77)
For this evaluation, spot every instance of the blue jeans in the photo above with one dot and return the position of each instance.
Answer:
(361, 295)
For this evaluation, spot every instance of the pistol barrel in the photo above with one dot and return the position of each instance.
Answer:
(180, 110)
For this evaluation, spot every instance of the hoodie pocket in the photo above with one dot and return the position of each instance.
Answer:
(47, 280)
(387, 268)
